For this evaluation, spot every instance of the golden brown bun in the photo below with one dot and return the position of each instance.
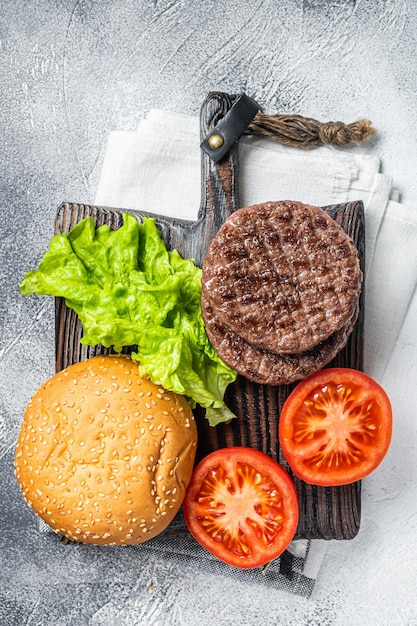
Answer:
(103, 455)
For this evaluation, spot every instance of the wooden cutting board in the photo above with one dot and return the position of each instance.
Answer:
(325, 512)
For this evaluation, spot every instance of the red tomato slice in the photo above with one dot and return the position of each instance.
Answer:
(241, 506)
(335, 427)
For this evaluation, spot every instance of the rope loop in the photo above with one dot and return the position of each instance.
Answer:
(305, 132)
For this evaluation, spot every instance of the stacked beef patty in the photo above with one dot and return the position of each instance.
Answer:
(281, 286)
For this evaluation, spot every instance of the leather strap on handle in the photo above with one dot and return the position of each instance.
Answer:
(246, 117)
(228, 130)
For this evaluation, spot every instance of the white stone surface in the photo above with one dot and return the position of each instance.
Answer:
(70, 73)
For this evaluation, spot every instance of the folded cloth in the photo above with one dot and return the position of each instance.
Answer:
(157, 169)
(295, 571)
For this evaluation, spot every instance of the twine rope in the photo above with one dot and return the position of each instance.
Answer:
(305, 132)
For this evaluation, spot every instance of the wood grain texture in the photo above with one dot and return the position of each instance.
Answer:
(325, 512)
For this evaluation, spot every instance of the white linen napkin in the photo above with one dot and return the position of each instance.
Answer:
(157, 169)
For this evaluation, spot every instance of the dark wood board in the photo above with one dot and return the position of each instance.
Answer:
(325, 512)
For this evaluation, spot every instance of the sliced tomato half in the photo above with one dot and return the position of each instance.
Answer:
(241, 506)
(335, 427)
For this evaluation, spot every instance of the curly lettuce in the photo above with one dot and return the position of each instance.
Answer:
(129, 290)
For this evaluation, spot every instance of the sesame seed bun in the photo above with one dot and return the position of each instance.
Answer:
(104, 456)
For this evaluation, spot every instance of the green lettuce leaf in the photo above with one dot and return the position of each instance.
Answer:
(129, 290)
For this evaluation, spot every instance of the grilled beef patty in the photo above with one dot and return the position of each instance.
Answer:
(283, 276)
(263, 366)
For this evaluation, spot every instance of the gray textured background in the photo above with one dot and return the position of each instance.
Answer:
(70, 72)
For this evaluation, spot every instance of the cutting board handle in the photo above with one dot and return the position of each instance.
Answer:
(219, 181)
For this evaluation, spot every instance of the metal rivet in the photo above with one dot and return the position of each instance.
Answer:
(215, 141)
